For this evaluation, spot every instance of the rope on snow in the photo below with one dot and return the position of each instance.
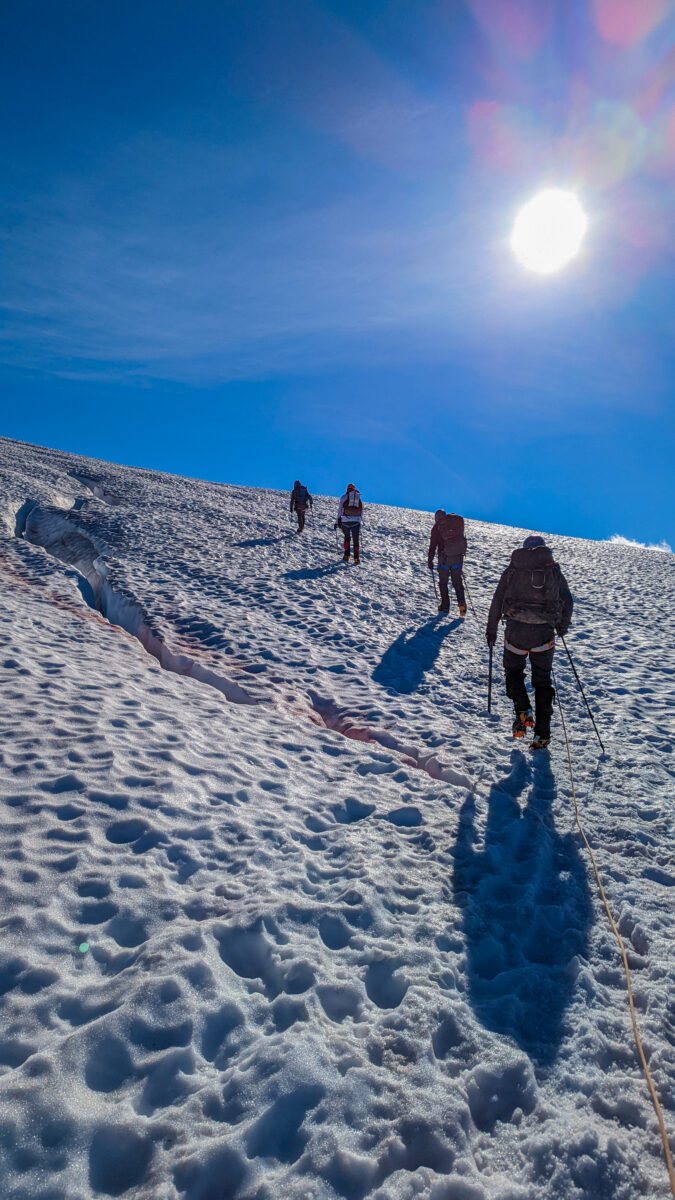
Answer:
(624, 956)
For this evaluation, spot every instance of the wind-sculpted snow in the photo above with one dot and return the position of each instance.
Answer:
(284, 913)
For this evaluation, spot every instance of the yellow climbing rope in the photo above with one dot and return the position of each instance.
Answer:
(629, 983)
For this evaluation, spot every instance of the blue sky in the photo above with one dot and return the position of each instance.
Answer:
(254, 240)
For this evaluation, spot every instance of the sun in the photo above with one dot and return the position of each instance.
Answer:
(549, 230)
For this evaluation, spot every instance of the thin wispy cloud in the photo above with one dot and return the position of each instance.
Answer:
(182, 262)
(192, 274)
(343, 215)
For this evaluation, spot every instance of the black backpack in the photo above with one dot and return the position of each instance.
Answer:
(532, 591)
(451, 536)
(301, 495)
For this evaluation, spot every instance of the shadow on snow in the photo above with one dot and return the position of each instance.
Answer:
(526, 909)
(268, 541)
(202, 632)
(315, 572)
(405, 663)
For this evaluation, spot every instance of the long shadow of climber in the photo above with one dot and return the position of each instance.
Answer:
(268, 541)
(314, 572)
(405, 663)
(526, 910)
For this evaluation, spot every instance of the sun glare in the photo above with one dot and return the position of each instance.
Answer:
(548, 232)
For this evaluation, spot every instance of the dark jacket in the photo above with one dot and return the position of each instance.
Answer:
(451, 546)
(296, 502)
(529, 632)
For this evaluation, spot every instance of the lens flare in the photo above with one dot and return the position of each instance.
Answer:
(549, 230)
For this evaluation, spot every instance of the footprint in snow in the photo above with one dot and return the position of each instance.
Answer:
(494, 1093)
(287, 1012)
(119, 1158)
(278, 1133)
(383, 986)
(333, 932)
(339, 1003)
(353, 810)
(406, 817)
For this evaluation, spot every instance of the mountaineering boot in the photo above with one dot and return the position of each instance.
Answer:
(443, 609)
(345, 556)
(539, 743)
(544, 695)
(462, 610)
(523, 721)
(357, 560)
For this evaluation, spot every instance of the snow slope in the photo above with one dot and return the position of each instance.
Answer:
(339, 934)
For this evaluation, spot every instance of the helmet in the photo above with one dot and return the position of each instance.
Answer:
(297, 483)
(350, 487)
(533, 541)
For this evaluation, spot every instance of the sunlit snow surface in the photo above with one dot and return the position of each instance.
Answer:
(318, 965)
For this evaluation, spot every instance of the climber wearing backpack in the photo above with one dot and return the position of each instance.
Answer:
(350, 513)
(300, 498)
(534, 598)
(447, 536)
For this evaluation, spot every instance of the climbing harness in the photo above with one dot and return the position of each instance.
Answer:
(622, 949)
(532, 649)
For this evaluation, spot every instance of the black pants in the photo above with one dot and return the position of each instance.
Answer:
(300, 510)
(455, 573)
(541, 662)
(355, 531)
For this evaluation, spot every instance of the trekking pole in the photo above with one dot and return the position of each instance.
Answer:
(490, 682)
(583, 693)
(433, 580)
(468, 596)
